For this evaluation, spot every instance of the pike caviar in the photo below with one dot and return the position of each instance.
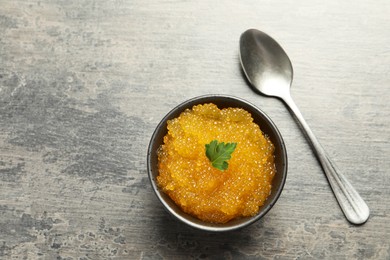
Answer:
(199, 189)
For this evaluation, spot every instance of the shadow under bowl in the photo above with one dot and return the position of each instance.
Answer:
(267, 127)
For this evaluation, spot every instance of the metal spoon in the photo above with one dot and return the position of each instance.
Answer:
(269, 71)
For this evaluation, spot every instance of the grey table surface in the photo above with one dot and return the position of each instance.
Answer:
(83, 85)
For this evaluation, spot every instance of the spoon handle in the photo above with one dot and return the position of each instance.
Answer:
(353, 206)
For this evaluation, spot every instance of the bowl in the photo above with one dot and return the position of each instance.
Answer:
(268, 128)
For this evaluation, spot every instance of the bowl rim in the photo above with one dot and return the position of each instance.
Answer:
(189, 103)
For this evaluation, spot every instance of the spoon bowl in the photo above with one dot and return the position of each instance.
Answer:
(265, 63)
(270, 72)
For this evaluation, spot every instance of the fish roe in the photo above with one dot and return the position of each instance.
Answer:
(199, 189)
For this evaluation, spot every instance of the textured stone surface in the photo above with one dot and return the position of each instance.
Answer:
(84, 83)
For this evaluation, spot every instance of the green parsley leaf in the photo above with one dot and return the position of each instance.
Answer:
(219, 153)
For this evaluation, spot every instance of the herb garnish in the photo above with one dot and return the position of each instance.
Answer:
(219, 153)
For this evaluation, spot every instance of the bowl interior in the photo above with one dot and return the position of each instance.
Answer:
(268, 128)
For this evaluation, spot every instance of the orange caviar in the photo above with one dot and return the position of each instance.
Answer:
(187, 176)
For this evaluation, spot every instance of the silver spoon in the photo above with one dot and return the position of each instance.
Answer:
(269, 71)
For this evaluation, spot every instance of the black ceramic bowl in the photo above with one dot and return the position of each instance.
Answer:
(268, 128)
